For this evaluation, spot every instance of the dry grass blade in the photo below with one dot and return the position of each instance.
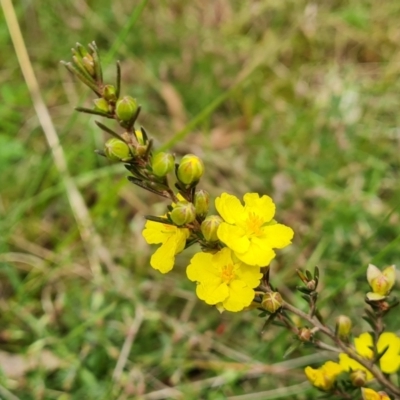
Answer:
(96, 252)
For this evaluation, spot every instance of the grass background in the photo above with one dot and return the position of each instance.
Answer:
(295, 99)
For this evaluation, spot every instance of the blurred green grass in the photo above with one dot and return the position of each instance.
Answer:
(295, 99)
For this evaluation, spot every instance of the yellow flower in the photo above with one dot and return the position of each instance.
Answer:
(324, 376)
(389, 362)
(381, 282)
(172, 239)
(250, 230)
(370, 394)
(222, 280)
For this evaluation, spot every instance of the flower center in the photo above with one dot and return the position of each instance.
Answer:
(227, 273)
(254, 224)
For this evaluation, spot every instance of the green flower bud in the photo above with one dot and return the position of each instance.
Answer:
(183, 213)
(343, 327)
(190, 169)
(126, 108)
(117, 150)
(201, 202)
(88, 63)
(81, 50)
(139, 137)
(358, 378)
(101, 104)
(209, 227)
(110, 93)
(272, 302)
(162, 164)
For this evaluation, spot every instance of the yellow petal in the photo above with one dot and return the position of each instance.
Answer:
(257, 254)
(249, 274)
(277, 236)
(263, 206)
(390, 361)
(240, 296)
(212, 294)
(234, 237)
(201, 269)
(156, 232)
(164, 257)
(363, 345)
(229, 207)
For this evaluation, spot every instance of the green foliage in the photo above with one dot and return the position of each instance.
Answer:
(294, 99)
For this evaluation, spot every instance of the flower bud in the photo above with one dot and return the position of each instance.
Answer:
(183, 213)
(162, 164)
(88, 63)
(343, 326)
(117, 150)
(311, 285)
(101, 104)
(126, 108)
(272, 302)
(110, 93)
(139, 137)
(381, 282)
(190, 169)
(305, 334)
(209, 227)
(358, 378)
(201, 202)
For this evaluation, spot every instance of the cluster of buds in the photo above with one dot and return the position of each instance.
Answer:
(132, 146)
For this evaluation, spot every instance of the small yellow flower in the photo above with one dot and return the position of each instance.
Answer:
(172, 239)
(370, 394)
(389, 362)
(222, 280)
(323, 377)
(250, 230)
(381, 282)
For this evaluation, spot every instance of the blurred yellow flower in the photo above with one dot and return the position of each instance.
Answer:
(381, 282)
(323, 377)
(222, 280)
(389, 362)
(370, 394)
(250, 230)
(172, 239)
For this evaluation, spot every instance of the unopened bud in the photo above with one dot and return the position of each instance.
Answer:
(311, 285)
(117, 150)
(81, 50)
(343, 326)
(141, 150)
(162, 164)
(139, 137)
(126, 108)
(381, 282)
(101, 104)
(201, 202)
(272, 302)
(209, 227)
(183, 213)
(190, 169)
(358, 378)
(88, 63)
(305, 334)
(110, 93)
